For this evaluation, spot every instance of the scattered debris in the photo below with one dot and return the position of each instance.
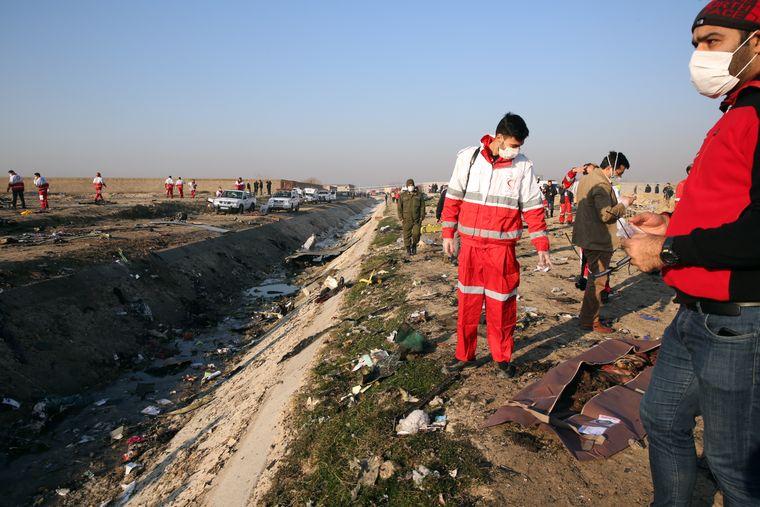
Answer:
(131, 466)
(406, 397)
(387, 469)
(648, 317)
(118, 433)
(410, 340)
(207, 376)
(418, 420)
(11, 403)
(418, 316)
(151, 410)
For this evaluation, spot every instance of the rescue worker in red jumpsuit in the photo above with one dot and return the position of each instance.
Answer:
(98, 183)
(42, 189)
(193, 187)
(169, 186)
(239, 184)
(492, 190)
(180, 186)
(16, 185)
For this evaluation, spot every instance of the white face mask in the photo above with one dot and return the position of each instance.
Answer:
(410, 188)
(508, 153)
(709, 71)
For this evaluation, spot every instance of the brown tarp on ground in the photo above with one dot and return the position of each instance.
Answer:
(533, 405)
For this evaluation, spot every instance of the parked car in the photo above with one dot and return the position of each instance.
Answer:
(234, 200)
(284, 199)
(325, 196)
(310, 194)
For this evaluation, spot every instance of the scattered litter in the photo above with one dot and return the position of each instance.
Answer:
(385, 228)
(372, 279)
(530, 309)
(413, 423)
(127, 489)
(636, 444)
(151, 410)
(211, 375)
(85, 439)
(62, 491)
(11, 403)
(118, 433)
(436, 402)
(369, 360)
(558, 291)
(431, 228)
(559, 261)
(542, 269)
(648, 317)
(129, 467)
(410, 340)
(330, 283)
(309, 243)
(135, 440)
(453, 473)
(391, 338)
(418, 317)
(387, 469)
(164, 402)
(193, 406)
(406, 397)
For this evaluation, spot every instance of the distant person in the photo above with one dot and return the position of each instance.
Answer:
(385, 194)
(169, 186)
(595, 231)
(566, 199)
(16, 186)
(657, 188)
(193, 187)
(491, 192)
(248, 187)
(441, 200)
(681, 184)
(411, 210)
(269, 187)
(255, 187)
(551, 195)
(219, 192)
(667, 192)
(180, 186)
(42, 190)
(635, 189)
(261, 187)
(648, 189)
(99, 184)
(239, 184)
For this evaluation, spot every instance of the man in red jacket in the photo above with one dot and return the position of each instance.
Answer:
(709, 252)
(492, 190)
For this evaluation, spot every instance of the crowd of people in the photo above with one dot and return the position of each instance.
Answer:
(171, 185)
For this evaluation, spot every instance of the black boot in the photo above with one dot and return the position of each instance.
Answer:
(408, 250)
(414, 250)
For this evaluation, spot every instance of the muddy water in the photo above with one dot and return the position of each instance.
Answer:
(82, 462)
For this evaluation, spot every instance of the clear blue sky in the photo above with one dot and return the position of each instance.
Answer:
(368, 92)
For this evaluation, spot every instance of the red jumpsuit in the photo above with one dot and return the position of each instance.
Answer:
(192, 190)
(570, 182)
(42, 189)
(180, 188)
(169, 186)
(98, 184)
(488, 210)
(239, 185)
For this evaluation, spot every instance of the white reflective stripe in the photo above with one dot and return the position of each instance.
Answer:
(532, 203)
(469, 289)
(499, 296)
(451, 225)
(485, 233)
(503, 200)
(538, 234)
(537, 206)
(454, 193)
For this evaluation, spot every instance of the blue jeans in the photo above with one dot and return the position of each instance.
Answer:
(709, 365)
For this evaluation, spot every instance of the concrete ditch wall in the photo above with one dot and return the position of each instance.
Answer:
(61, 336)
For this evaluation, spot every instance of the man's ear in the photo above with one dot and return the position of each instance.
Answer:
(755, 43)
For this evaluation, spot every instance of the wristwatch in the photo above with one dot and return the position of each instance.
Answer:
(667, 255)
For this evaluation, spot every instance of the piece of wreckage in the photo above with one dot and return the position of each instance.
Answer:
(305, 257)
(591, 402)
